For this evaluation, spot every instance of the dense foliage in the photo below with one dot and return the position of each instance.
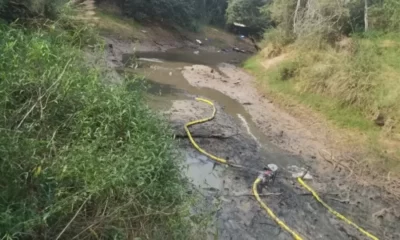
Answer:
(11, 10)
(193, 13)
(181, 12)
(80, 158)
(341, 58)
(249, 13)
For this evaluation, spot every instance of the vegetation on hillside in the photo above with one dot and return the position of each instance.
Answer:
(249, 13)
(192, 14)
(80, 159)
(341, 59)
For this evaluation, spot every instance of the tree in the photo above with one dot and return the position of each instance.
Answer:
(249, 13)
(366, 15)
(173, 12)
(384, 15)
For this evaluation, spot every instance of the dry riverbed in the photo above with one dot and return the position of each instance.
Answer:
(261, 134)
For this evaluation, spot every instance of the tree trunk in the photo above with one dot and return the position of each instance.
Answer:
(366, 25)
(296, 12)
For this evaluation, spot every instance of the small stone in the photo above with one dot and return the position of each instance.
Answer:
(380, 120)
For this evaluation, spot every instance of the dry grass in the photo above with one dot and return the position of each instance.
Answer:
(350, 88)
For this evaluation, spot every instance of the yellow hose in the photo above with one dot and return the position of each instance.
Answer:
(331, 210)
(272, 214)
(220, 160)
(224, 161)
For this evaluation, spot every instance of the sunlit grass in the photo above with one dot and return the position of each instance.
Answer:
(348, 89)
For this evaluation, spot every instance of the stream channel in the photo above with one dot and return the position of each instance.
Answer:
(227, 192)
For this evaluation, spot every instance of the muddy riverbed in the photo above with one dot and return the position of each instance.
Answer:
(249, 130)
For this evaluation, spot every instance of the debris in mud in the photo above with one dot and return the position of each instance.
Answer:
(236, 49)
(299, 172)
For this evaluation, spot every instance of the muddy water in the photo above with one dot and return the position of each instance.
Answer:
(163, 71)
(189, 57)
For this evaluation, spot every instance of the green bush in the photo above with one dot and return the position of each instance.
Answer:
(174, 12)
(11, 10)
(248, 12)
(385, 16)
(79, 158)
(278, 37)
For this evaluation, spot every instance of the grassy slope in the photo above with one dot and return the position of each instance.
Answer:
(350, 87)
(79, 157)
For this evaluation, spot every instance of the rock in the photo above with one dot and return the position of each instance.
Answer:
(380, 120)
(299, 172)
(281, 134)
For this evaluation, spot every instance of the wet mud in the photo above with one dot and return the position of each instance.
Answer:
(239, 215)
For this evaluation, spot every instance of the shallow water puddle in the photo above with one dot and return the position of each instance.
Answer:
(167, 84)
(202, 172)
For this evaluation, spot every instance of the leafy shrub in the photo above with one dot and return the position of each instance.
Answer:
(248, 12)
(278, 37)
(175, 12)
(79, 158)
(11, 10)
(385, 16)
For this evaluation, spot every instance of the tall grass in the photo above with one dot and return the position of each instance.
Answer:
(351, 86)
(79, 159)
